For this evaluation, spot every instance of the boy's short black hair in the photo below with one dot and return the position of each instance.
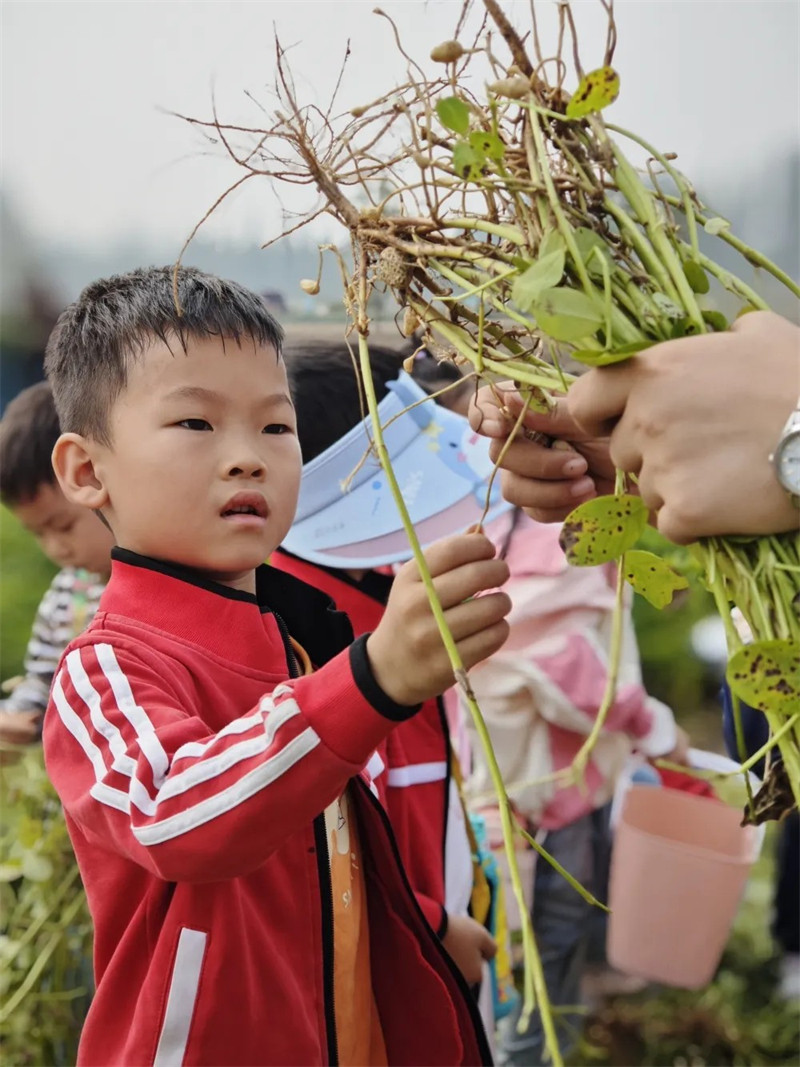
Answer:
(327, 391)
(113, 320)
(28, 431)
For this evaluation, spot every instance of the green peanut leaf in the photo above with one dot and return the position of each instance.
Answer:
(591, 246)
(602, 529)
(466, 162)
(766, 675)
(696, 277)
(597, 90)
(566, 314)
(652, 577)
(454, 114)
(603, 359)
(486, 144)
(667, 307)
(716, 320)
(545, 273)
(552, 241)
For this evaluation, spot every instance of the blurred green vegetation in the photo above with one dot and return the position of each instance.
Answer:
(24, 576)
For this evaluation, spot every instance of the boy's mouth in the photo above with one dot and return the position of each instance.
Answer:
(245, 506)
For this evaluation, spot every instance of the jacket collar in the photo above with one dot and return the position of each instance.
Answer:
(228, 622)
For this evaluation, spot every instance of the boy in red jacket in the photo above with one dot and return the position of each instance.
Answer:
(248, 903)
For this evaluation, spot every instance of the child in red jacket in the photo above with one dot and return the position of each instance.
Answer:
(248, 904)
(347, 533)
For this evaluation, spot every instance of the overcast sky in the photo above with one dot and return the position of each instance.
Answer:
(88, 156)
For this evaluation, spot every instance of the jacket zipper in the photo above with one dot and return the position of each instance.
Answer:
(472, 1005)
(325, 885)
(326, 894)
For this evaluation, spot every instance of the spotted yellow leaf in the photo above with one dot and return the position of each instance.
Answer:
(597, 90)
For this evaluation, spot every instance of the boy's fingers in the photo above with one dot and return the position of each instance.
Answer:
(453, 552)
(484, 644)
(488, 946)
(469, 579)
(477, 614)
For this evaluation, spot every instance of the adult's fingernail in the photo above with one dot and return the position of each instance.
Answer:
(581, 487)
(575, 466)
(493, 428)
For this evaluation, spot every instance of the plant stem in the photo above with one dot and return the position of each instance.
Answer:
(535, 988)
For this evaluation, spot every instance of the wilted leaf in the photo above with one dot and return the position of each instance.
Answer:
(602, 529)
(696, 277)
(597, 90)
(566, 314)
(545, 273)
(454, 114)
(604, 359)
(652, 577)
(766, 675)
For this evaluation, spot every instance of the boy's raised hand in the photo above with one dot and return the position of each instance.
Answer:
(406, 652)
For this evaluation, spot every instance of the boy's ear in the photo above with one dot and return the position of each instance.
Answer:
(73, 462)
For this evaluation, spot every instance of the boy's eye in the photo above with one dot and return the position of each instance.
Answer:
(195, 424)
(277, 427)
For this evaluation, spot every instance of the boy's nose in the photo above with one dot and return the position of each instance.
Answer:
(247, 470)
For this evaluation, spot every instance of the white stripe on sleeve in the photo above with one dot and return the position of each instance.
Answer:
(136, 715)
(247, 786)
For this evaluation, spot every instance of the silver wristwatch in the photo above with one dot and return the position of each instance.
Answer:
(786, 457)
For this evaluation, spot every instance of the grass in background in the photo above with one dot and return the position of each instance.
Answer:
(24, 576)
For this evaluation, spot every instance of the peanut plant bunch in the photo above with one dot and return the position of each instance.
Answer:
(514, 231)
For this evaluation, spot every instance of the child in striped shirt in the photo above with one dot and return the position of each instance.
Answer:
(69, 535)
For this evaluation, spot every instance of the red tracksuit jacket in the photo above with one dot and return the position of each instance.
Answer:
(415, 783)
(193, 773)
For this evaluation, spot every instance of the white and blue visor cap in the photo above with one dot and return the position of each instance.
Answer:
(346, 515)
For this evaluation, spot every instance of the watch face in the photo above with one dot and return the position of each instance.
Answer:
(787, 463)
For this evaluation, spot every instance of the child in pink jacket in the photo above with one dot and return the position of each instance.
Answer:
(540, 695)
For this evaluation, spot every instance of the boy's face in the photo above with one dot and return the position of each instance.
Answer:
(68, 534)
(204, 465)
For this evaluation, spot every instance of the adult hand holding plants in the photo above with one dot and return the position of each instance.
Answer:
(551, 466)
(696, 420)
(406, 652)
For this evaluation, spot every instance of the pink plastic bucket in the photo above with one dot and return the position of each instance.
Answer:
(678, 870)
